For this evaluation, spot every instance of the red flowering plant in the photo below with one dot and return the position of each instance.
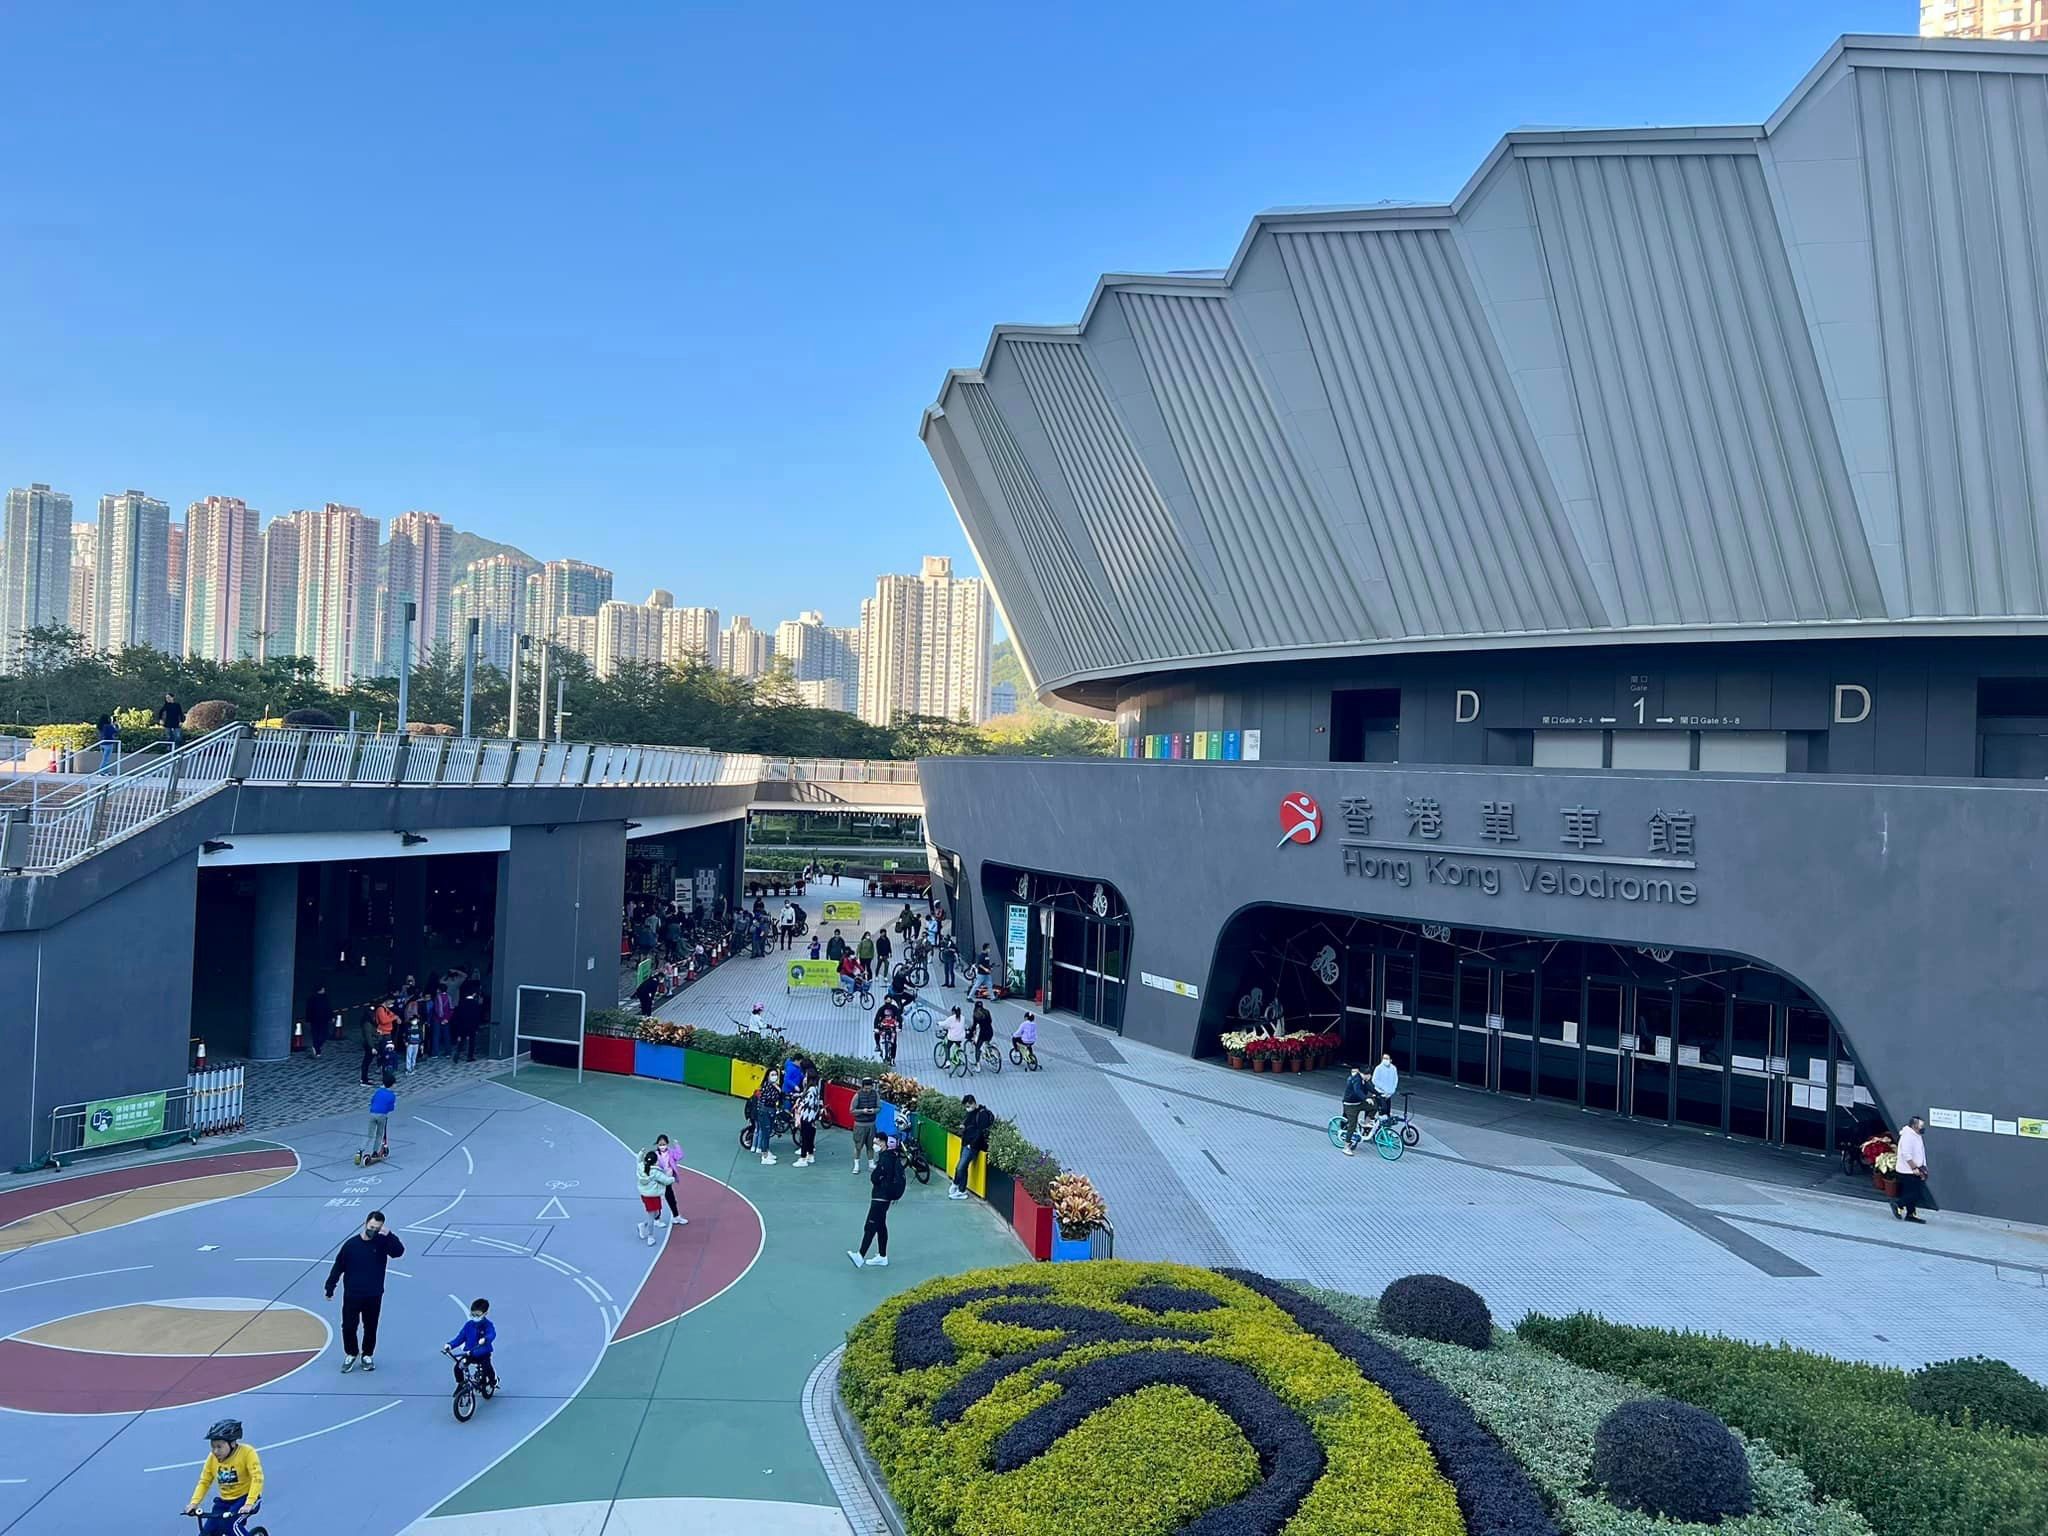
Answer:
(1265, 1045)
(1875, 1148)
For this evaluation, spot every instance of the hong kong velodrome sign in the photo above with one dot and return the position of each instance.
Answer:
(1580, 855)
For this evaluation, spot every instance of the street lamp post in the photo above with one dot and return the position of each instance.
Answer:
(512, 707)
(412, 612)
(540, 698)
(469, 672)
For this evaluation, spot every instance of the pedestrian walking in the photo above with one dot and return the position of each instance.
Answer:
(652, 1181)
(670, 1156)
(319, 1014)
(766, 1098)
(973, 1140)
(949, 957)
(867, 1105)
(885, 1187)
(835, 949)
(359, 1271)
(171, 716)
(366, 1030)
(109, 738)
(788, 924)
(1911, 1171)
(810, 1105)
(866, 950)
(883, 949)
(469, 1017)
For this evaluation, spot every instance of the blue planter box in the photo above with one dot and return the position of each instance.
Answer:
(1068, 1250)
(885, 1119)
(664, 1062)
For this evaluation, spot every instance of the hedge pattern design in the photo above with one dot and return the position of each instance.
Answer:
(1123, 1399)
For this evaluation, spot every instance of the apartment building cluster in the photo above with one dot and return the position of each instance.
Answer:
(332, 585)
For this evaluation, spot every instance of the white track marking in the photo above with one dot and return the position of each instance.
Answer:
(468, 1161)
(590, 1291)
(601, 1291)
(460, 1305)
(556, 1264)
(275, 1445)
(423, 1120)
(280, 1261)
(421, 1224)
(66, 1279)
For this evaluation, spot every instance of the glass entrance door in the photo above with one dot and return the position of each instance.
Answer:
(1478, 994)
(1396, 1019)
(1655, 1012)
(1610, 1064)
(1755, 1047)
(1495, 1038)
(1436, 1022)
(1700, 1057)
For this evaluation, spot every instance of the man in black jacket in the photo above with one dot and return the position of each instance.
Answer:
(973, 1139)
(469, 1019)
(359, 1269)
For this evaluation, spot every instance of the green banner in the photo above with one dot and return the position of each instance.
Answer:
(108, 1121)
(646, 970)
(841, 912)
(811, 975)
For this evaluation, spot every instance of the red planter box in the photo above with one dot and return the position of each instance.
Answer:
(1033, 1222)
(839, 1106)
(608, 1053)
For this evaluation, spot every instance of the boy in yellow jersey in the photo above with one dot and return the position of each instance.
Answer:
(235, 1473)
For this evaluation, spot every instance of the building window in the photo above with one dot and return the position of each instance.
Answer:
(1665, 751)
(1365, 725)
(1570, 749)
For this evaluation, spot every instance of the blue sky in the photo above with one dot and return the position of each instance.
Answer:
(666, 286)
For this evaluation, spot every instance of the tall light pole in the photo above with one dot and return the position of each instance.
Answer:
(540, 699)
(468, 672)
(512, 707)
(560, 684)
(405, 623)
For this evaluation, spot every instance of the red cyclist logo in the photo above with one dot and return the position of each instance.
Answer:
(1300, 819)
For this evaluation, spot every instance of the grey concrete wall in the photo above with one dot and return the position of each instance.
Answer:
(1909, 909)
(560, 893)
(98, 1005)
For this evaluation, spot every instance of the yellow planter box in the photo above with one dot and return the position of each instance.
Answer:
(746, 1079)
(977, 1171)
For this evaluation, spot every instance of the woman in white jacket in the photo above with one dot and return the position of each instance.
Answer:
(653, 1180)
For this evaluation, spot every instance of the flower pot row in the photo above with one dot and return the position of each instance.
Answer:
(625, 1057)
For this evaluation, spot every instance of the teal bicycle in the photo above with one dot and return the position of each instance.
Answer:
(1393, 1132)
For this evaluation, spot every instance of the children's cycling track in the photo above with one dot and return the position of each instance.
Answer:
(139, 1304)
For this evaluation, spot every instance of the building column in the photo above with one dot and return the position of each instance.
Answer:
(273, 961)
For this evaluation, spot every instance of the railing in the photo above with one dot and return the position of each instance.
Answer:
(102, 810)
(836, 770)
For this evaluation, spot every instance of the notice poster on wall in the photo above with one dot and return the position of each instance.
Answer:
(2005, 1127)
(1945, 1119)
(1017, 944)
(1201, 744)
(1688, 1055)
(1974, 1120)
(1251, 746)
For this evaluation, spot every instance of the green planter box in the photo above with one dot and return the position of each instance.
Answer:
(932, 1136)
(701, 1069)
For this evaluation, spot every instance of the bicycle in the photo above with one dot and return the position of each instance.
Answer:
(1022, 1055)
(913, 1150)
(473, 1383)
(919, 1017)
(943, 1054)
(842, 994)
(758, 1025)
(1392, 1133)
(885, 1045)
(241, 1528)
(785, 1125)
(991, 1056)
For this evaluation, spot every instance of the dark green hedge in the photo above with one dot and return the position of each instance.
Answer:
(1849, 1425)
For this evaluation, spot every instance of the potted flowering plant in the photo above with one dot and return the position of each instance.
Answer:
(1078, 1210)
(1322, 1047)
(1290, 1053)
(1234, 1043)
(1262, 1052)
(1874, 1147)
(1884, 1173)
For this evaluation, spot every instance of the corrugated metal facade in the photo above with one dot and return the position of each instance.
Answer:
(1663, 382)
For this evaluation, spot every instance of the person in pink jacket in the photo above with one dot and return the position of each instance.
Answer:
(669, 1158)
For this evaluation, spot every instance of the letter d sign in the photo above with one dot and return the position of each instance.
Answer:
(1468, 706)
(1851, 697)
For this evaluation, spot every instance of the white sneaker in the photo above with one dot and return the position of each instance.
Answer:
(348, 1365)
(956, 1194)
(641, 1228)
(649, 1237)
(369, 1364)
(879, 1261)
(856, 1165)
(679, 1221)
(1351, 1151)
(858, 1262)
(767, 1158)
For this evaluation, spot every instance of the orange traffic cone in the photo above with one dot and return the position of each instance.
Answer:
(200, 1059)
(298, 1035)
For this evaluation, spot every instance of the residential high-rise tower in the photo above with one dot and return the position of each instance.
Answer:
(35, 568)
(223, 579)
(818, 653)
(564, 589)
(277, 622)
(493, 592)
(924, 646)
(338, 593)
(743, 650)
(85, 557)
(415, 570)
(1999, 21)
(131, 589)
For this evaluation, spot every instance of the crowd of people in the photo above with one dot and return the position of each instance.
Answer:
(440, 1017)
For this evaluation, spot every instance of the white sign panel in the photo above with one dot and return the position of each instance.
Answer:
(1168, 984)
(1945, 1119)
(1251, 746)
(1974, 1120)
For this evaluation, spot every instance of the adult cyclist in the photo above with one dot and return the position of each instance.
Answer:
(956, 1038)
(888, 1021)
(235, 1474)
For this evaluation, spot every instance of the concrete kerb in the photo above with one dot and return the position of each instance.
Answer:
(857, 1447)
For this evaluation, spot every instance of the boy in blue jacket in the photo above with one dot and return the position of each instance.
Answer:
(478, 1340)
(382, 1102)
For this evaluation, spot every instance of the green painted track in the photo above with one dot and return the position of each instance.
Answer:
(710, 1406)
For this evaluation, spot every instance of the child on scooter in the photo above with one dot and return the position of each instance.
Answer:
(382, 1102)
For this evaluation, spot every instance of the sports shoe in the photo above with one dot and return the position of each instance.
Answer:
(856, 1165)
(679, 1221)
(648, 1238)
(858, 1261)
(1350, 1151)
(369, 1364)
(956, 1194)
(641, 1228)
(767, 1158)
(879, 1261)
(348, 1365)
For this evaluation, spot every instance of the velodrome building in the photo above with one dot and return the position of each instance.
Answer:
(1589, 639)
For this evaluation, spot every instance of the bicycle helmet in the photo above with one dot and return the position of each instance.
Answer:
(229, 1430)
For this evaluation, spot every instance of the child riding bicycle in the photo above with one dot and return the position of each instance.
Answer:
(235, 1473)
(478, 1341)
(1025, 1039)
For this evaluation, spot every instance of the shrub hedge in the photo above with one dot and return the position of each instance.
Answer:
(208, 716)
(1436, 1307)
(1980, 1391)
(1672, 1459)
(1222, 1416)
(1849, 1424)
(1547, 1412)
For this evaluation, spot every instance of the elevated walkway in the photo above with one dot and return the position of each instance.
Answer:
(838, 784)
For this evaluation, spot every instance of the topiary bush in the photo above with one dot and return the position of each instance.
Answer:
(1981, 1391)
(1439, 1308)
(208, 716)
(1672, 1459)
(310, 720)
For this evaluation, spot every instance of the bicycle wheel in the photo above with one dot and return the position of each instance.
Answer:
(1016, 1057)
(1337, 1132)
(465, 1403)
(922, 1167)
(867, 1001)
(991, 1057)
(919, 976)
(1388, 1140)
(746, 1138)
(963, 1064)
(838, 998)
(921, 1018)
(1409, 1134)
(939, 1053)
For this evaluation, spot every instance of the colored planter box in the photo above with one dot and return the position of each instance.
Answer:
(702, 1069)
(999, 1190)
(664, 1063)
(1032, 1221)
(746, 1079)
(839, 1106)
(1069, 1250)
(608, 1053)
(933, 1138)
(885, 1119)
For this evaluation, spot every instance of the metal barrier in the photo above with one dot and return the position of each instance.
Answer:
(214, 1099)
(837, 770)
(68, 1126)
(97, 810)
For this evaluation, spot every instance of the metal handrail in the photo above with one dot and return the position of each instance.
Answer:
(837, 770)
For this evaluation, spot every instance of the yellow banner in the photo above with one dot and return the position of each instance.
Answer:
(811, 975)
(841, 912)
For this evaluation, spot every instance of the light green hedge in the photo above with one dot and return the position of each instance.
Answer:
(1151, 1461)
(1545, 1411)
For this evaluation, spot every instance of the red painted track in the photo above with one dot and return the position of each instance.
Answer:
(697, 1261)
(40, 1378)
(19, 1204)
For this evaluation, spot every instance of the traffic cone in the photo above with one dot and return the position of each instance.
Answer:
(298, 1035)
(199, 1062)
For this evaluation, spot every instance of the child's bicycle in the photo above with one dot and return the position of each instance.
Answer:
(1023, 1055)
(238, 1523)
(473, 1383)
(914, 1157)
(1392, 1133)
(785, 1125)
(757, 1023)
(861, 991)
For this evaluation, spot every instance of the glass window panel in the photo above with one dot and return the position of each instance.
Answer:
(1653, 749)
(1568, 749)
(1742, 751)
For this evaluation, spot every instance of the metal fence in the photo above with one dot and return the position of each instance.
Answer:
(208, 1103)
(99, 810)
(836, 770)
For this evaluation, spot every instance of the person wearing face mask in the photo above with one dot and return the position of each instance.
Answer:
(359, 1271)
(478, 1340)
